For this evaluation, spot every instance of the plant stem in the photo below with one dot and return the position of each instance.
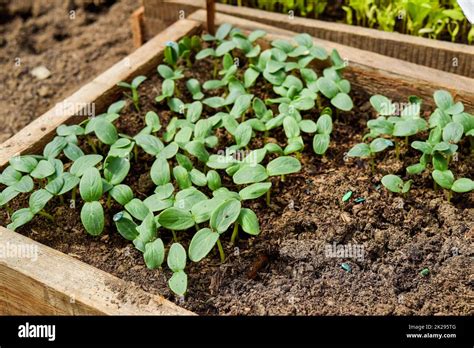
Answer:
(46, 215)
(298, 155)
(109, 201)
(221, 251)
(235, 233)
(9, 210)
(135, 152)
(91, 144)
(268, 197)
(61, 200)
(135, 99)
(283, 178)
(449, 195)
(214, 73)
(73, 195)
(175, 237)
(372, 164)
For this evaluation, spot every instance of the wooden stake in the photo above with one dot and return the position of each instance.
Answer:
(136, 23)
(211, 14)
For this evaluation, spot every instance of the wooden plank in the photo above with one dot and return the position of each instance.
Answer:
(98, 93)
(374, 72)
(211, 14)
(136, 24)
(44, 281)
(441, 55)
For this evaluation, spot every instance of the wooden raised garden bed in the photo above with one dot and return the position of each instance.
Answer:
(441, 55)
(60, 284)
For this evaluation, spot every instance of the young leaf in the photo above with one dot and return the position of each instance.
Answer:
(321, 143)
(116, 169)
(154, 254)
(178, 283)
(359, 150)
(176, 219)
(137, 209)
(342, 101)
(463, 185)
(249, 174)
(225, 215)
(392, 183)
(444, 178)
(443, 99)
(202, 243)
(249, 221)
(125, 225)
(122, 194)
(176, 257)
(283, 165)
(379, 144)
(105, 131)
(92, 217)
(43, 170)
(83, 163)
(255, 190)
(20, 218)
(213, 180)
(452, 132)
(38, 200)
(90, 186)
(160, 172)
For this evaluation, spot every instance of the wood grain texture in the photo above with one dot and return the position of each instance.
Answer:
(373, 72)
(136, 24)
(441, 55)
(100, 92)
(53, 283)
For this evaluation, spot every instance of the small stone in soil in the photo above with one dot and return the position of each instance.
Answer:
(347, 196)
(425, 272)
(360, 200)
(346, 267)
(41, 72)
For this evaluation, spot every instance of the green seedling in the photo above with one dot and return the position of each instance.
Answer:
(363, 150)
(395, 184)
(133, 86)
(445, 179)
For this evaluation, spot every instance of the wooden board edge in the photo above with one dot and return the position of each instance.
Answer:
(136, 25)
(95, 95)
(38, 280)
(361, 62)
(443, 55)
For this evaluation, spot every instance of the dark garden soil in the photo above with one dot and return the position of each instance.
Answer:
(285, 270)
(74, 49)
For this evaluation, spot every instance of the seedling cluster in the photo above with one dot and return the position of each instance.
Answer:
(447, 127)
(188, 162)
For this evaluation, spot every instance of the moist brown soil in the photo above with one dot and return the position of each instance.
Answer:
(285, 269)
(75, 48)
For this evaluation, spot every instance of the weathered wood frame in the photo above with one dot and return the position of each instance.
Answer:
(441, 55)
(59, 284)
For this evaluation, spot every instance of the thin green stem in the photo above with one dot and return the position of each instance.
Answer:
(235, 233)
(214, 73)
(135, 152)
(175, 237)
(73, 195)
(372, 164)
(91, 144)
(46, 215)
(268, 197)
(135, 99)
(61, 200)
(109, 201)
(9, 210)
(221, 251)
(282, 178)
